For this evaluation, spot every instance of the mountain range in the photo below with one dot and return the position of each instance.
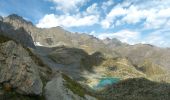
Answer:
(55, 64)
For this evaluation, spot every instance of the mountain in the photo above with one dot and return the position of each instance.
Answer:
(56, 36)
(8, 29)
(151, 60)
(55, 64)
(113, 43)
(23, 76)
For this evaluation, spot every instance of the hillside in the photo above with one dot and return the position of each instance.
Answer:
(55, 64)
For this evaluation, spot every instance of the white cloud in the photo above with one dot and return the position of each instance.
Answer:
(51, 20)
(68, 5)
(159, 38)
(106, 4)
(152, 14)
(105, 24)
(124, 35)
(115, 12)
(93, 9)
(133, 15)
(132, 12)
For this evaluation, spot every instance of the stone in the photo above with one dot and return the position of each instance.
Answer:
(61, 92)
(18, 70)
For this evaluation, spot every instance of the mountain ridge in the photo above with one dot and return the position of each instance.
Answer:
(65, 60)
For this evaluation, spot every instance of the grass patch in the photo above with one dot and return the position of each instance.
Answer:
(78, 89)
(74, 86)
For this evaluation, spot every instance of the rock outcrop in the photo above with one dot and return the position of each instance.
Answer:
(61, 87)
(19, 34)
(18, 69)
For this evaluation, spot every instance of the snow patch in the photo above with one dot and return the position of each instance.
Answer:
(38, 44)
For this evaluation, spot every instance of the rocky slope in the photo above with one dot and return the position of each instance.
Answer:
(151, 60)
(57, 36)
(145, 58)
(60, 60)
(19, 70)
(136, 89)
(23, 76)
(65, 89)
(20, 35)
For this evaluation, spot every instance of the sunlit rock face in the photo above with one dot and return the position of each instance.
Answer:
(18, 69)
(65, 89)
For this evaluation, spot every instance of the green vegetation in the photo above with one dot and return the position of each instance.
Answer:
(44, 70)
(137, 89)
(4, 39)
(74, 86)
(151, 69)
(79, 89)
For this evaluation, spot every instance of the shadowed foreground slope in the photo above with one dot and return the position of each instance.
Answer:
(136, 89)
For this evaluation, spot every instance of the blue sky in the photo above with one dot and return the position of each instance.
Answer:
(132, 21)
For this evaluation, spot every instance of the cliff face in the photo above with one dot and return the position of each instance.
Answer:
(23, 75)
(19, 34)
(18, 70)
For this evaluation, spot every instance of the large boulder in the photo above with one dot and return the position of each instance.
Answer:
(61, 87)
(18, 70)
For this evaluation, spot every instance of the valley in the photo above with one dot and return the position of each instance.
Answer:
(54, 64)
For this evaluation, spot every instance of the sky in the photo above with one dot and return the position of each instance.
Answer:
(131, 21)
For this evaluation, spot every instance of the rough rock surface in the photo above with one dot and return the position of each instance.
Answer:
(57, 36)
(8, 28)
(56, 90)
(1, 18)
(18, 69)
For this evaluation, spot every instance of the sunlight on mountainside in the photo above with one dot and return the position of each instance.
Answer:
(84, 50)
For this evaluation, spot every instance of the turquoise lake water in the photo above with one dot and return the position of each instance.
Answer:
(106, 81)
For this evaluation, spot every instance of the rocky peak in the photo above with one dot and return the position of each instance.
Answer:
(114, 42)
(18, 34)
(14, 18)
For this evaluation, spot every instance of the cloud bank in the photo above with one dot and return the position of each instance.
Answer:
(131, 21)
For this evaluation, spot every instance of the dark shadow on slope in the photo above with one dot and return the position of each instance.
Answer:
(72, 61)
(136, 89)
(18, 35)
(3, 38)
(75, 57)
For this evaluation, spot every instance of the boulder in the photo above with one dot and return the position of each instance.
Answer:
(58, 89)
(18, 70)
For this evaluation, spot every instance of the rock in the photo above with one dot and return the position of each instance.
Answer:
(1, 18)
(18, 70)
(20, 35)
(56, 89)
